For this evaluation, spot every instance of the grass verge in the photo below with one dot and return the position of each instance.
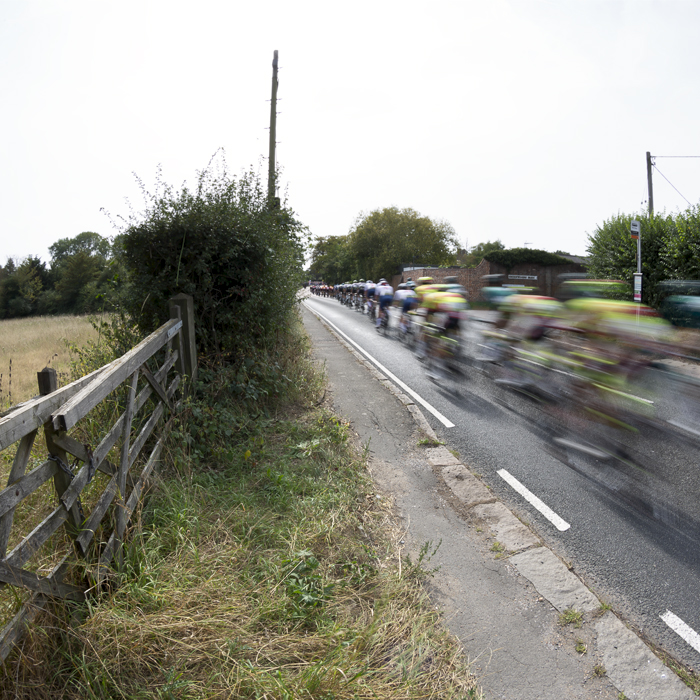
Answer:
(262, 567)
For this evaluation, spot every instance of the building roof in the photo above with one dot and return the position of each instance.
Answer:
(575, 259)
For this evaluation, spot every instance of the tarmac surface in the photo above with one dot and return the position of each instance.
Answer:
(502, 593)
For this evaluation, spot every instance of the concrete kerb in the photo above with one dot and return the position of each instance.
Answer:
(633, 668)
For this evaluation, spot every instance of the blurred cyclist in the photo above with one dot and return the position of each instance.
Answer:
(385, 293)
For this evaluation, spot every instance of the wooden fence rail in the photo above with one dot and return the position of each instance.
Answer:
(60, 410)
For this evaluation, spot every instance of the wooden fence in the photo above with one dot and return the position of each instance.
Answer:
(42, 553)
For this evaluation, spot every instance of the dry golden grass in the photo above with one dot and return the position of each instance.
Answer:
(27, 345)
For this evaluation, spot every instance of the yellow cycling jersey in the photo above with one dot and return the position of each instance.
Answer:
(423, 290)
(447, 302)
(624, 319)
(533, 305)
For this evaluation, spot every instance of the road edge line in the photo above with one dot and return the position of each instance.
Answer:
(410, 405)
(443, 419)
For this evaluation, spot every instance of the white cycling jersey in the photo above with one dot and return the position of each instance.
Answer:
(384, 290)
(402, 294)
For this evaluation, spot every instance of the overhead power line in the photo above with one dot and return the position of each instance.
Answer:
(669, 182)
(651, 163)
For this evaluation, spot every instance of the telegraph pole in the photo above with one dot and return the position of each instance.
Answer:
(636, 230)
(273, 134)
(651, 190)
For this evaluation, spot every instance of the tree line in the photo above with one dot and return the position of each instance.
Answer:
(79, 278)
(219, 240)
(380, 242)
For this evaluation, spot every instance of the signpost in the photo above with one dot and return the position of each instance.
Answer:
(638, 286)
(636, 233)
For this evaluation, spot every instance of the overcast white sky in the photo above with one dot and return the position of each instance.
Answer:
(523, 120)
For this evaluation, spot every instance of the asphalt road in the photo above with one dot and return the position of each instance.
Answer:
(633, 534)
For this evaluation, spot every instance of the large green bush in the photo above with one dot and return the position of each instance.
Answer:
(237, 254)
(680, 254)
(670, 250)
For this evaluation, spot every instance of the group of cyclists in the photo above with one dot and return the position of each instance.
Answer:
(603, 382)
(583, 352)
(596, 364)
(427, 315)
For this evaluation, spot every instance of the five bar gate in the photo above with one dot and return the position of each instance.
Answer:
(57, 412)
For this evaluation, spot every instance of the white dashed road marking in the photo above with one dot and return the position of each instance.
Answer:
(530, 497)
(688, 634)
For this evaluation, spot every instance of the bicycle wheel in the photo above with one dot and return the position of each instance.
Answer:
(410, 338)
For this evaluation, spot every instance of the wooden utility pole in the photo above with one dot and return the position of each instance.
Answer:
(273, 134)
(651, 191)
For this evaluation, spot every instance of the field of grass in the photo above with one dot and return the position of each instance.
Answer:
(27, 345)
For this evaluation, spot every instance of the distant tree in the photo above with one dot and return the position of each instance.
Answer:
(78, 277)
(21, 286)
(86, 242)
(32, 276)
(476, 254)
(384, 239)
(331, 260)
(80, 269)
(11, 302)
(10, 267)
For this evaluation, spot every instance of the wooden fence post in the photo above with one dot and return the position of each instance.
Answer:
(186, 343)
(174, 344)
(48, 383)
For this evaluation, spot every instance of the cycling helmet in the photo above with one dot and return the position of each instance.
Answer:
(410, 284)
(402, 286)
(452, 285)
(425, 280)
